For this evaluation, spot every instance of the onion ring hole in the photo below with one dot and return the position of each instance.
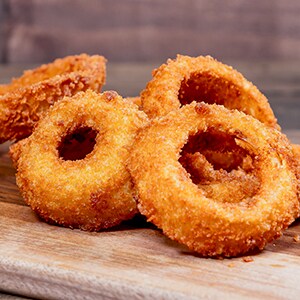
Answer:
(217, 150)
(77, 144)
(203, 87)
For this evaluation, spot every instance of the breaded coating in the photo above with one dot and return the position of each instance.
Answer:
(24, 101)
(201, 218)
(15, 151)
(135, 100)
(188, 79)
(90, 192)
(296, 151)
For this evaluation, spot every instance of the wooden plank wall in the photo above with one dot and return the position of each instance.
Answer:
(151, 30)
(2, 30)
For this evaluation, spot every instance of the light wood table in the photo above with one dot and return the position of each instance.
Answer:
(135, 260)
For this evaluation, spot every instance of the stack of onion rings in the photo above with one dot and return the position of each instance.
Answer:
(188, 213)
(221, 169)
(92, 191)
(188, 79)
(211, 169)
(24, 101)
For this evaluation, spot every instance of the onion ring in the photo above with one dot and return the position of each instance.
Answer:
(91, 192)
(185, 212)
(16, 148)
(186, 79)
(25, 100)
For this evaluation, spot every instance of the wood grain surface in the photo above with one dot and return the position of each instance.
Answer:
(135, 260)
(149, 30)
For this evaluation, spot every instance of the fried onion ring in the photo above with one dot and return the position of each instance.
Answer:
(210, 225)
(15, 148)
(188, 79)
(93, 190)
(25, 99)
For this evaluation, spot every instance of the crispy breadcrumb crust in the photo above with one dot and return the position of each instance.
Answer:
(92, 193)
(296, 152)
(15, 151)
(135, 100)
(214, 81)
(169, 198)
(25, 99)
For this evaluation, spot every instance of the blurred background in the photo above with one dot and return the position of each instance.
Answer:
(149, 30)
(260, 38)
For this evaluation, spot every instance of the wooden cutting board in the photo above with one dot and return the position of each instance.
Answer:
(132, 261)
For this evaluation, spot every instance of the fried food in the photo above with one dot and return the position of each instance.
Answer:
(90, 188)
(296, 151)
(25, 100)
(16, 148)
(188, 79)
(135, 100)
(15, 151)
(207, 218)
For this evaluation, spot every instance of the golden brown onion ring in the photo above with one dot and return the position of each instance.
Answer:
(91, 192)
(186, 212)
(15, 148)
(188, 79)
(25, 99)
